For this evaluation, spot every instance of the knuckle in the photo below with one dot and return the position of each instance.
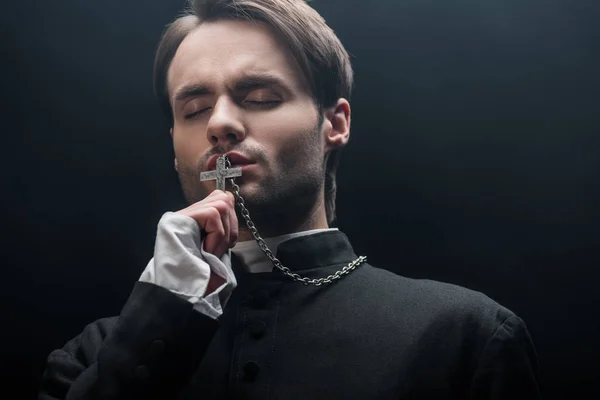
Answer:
(222, 206)
(226, 206)
(213, 212)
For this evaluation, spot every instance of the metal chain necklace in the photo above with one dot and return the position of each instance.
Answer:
(261, 243)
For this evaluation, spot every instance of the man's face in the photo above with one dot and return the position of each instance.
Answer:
(234, 87)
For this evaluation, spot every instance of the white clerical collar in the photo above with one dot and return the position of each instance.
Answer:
(255, 260)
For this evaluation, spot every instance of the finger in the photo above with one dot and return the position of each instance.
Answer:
(230, 221)
(216, 193)
(233, 222)
(216, 223)
(220, 240)
(193, 208)
(209, 219)
(211, 200)
(223, 245)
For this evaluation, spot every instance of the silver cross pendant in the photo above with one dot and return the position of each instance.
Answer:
(221, 173)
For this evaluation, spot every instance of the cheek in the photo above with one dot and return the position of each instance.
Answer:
(300, 134)
(287, 125)
(189, 147)
(299, 149)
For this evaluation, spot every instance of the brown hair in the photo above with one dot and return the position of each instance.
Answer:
(317, 50)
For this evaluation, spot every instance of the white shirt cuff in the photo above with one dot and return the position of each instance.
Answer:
(181, 265)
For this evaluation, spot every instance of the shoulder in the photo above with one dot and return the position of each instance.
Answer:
(445, 305)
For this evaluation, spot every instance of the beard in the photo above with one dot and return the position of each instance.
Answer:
(288, 191)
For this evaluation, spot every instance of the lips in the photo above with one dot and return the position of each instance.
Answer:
(235, 158)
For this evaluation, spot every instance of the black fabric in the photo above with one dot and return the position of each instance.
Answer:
(371, 335)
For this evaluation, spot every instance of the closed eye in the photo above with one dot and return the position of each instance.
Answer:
(252, 103)
(194, 114)
(271, 103)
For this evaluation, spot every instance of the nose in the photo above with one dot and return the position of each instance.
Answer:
(225, 126)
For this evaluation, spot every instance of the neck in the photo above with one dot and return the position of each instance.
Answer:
(278, 224)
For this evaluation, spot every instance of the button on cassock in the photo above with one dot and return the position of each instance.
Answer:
(251, 369)
(257, 328)
(152, 354)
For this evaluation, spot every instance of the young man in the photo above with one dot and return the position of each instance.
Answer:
(220, 312)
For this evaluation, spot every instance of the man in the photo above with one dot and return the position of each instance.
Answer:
(220, 312)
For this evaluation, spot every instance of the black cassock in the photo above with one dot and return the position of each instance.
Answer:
(371, 335)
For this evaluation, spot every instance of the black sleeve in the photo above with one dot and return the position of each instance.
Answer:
(508, 368)
(154, 347)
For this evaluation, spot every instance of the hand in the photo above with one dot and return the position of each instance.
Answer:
(216, 216)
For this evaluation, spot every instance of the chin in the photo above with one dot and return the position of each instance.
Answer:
(249, 190)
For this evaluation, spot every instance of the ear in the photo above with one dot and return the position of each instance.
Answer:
(337, 125)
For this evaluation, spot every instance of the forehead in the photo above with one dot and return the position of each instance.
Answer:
(221, 51)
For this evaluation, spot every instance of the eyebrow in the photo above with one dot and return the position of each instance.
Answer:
(248, 82)
(190, 91)
(258, 81)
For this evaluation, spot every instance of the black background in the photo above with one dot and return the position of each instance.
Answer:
(473, 160)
